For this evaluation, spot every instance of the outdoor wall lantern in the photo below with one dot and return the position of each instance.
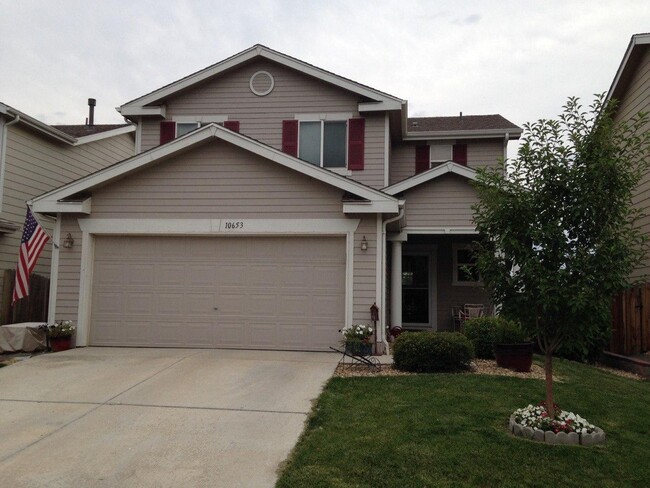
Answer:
(68, 242)
(364, 244)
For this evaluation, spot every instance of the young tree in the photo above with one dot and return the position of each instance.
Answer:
(557, 231)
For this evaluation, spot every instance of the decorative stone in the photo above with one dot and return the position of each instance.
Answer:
(511, 424)
(527, 432)
(573, 439)
(538, 435)
(517, 430)
(587, 439)
(561, 438)
(549, 437)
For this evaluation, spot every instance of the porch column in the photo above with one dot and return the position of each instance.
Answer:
(396, 285)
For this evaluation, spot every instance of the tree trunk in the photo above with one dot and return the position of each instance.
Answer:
(548, 370)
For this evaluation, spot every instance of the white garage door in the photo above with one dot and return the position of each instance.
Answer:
(235, 292)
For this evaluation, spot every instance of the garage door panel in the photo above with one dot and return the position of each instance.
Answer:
(270, 292)
(170, 274)
(112, 273)
(141, 275)
(139, 303)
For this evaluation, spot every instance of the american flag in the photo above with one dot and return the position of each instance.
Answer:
(31, 244)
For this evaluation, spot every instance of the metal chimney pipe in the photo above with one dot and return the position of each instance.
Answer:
(91, 111)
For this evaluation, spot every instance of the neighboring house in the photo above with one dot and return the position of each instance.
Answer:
(36, 157)
(631, 310)
(270, 203)
(631, 88)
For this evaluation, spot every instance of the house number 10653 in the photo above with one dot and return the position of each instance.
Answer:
(235, 225)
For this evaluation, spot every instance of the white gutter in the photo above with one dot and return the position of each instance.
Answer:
(3, 154)
(400, 215)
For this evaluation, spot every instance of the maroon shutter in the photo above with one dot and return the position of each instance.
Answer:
(422, 158)
(356, 136)
(232, 125)
(459, 154)
(290, 137)
(167, 131)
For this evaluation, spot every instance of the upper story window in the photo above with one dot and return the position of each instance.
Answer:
(171, 129)
(440, 153)
(431, 155)
(323, 143)
(327, 140)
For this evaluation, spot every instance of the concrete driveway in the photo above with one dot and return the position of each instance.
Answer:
(155, 417)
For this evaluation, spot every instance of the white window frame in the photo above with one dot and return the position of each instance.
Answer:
(199, 120)
(322, 118)
(454, 281)
(436, 162)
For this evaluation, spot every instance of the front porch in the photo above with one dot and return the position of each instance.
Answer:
(429, 279)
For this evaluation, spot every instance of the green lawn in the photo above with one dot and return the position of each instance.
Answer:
(450, 430)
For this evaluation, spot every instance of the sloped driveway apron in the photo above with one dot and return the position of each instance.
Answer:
(155, 417)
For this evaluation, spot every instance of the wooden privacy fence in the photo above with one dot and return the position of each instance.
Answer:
(32, 308)
(631, 321)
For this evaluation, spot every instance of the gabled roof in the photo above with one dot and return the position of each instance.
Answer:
(54, 201)
(383, 101)
(441, 169)
(638, 43)
(41, 127)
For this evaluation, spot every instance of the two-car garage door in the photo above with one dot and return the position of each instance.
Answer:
(236, 292)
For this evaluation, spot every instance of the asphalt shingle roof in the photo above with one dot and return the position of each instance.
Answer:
(459, 123)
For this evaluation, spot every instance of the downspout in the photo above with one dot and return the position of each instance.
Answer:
(3, 156)
(384, 317)
(505, 146)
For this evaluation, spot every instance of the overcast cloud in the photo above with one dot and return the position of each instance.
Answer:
(519, 59)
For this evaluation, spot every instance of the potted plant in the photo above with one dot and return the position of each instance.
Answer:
(356, 339)
(512, 348)
(60, 335)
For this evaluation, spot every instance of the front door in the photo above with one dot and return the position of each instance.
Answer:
(416, 289)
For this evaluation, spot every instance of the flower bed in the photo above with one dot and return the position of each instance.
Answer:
(534, 422)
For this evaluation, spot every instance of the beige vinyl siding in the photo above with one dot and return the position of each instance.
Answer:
(450, 295)
(35, 165)
(445, 201)
(373, 169)
(480, 153)
(67, 297)
(365, 269)
(261, 117)
(219, 180)
(635, 100)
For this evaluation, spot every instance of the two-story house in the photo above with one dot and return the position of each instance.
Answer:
(36, 157)
(270, 203)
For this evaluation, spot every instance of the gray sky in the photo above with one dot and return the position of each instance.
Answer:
(517, 58)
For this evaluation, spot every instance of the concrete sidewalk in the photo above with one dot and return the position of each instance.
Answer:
(155, 417)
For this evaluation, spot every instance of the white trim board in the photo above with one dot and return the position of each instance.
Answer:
(218, 226)
(105, 135)
(430, 174)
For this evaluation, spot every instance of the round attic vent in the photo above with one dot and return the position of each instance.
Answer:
(262, 83)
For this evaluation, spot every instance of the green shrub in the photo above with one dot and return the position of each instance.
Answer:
(429, 352)
(509, 332)
(480, 331)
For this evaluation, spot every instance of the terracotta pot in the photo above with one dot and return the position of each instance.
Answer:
(518, 357)
(60, 343)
